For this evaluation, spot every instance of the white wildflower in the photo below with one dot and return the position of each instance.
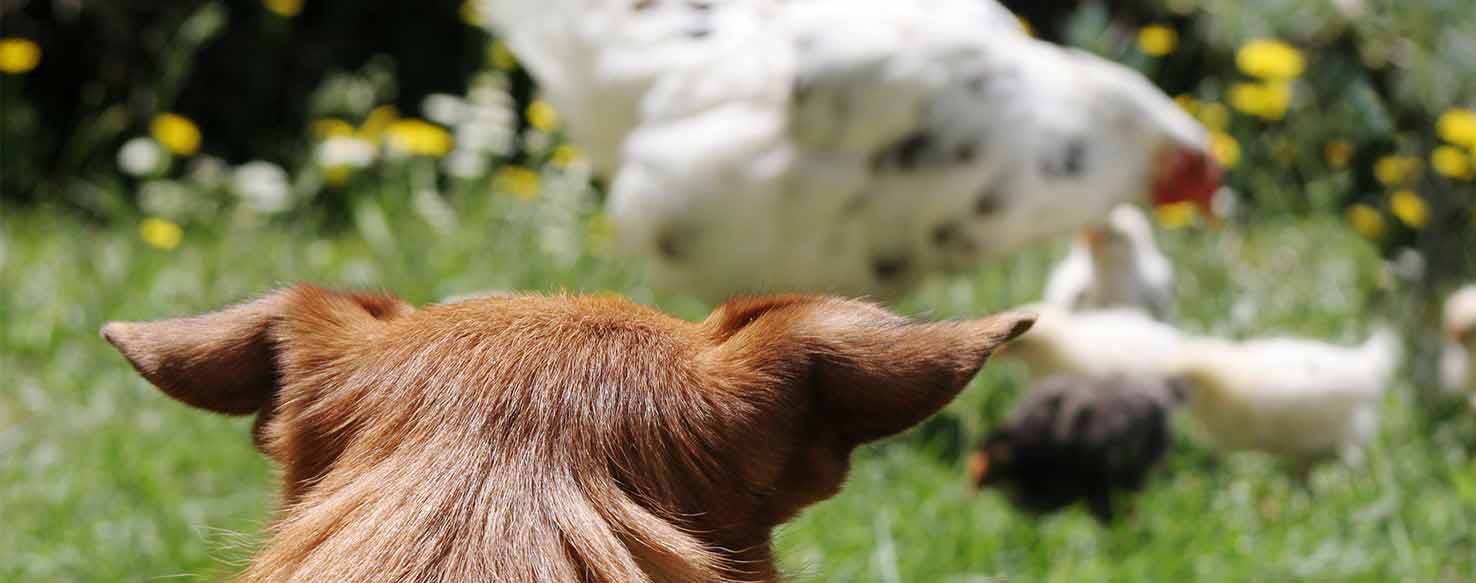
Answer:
(484, 137)
(262, 186)
(447, 110)
(345, 152)
(466, 164)
(167, 198)
(142, 157)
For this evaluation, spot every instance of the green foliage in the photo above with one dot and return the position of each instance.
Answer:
(1376, 78)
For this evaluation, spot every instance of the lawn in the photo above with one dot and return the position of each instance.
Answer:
(105, 479)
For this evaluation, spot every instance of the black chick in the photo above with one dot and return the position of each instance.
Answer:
(1078, 438)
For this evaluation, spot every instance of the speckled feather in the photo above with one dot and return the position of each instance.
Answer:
(848, 146)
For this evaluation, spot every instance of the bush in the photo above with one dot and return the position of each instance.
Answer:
(241, 72)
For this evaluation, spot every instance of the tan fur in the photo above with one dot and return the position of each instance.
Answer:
(565, 438)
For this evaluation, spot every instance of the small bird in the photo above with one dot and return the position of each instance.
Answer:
(1077, 438)
(1298, 399)
(1458, 355)
(845, 146)
(1097, 343)
(1115, 265)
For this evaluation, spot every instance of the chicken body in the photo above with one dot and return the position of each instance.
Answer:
(1077, 438)
(1294, 398)
(1116, 265)
(846, 146)
(1096, 343)
(1458, 355)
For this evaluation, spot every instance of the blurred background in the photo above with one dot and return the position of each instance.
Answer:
(158, 158)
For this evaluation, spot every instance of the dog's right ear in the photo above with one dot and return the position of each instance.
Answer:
(226, 361)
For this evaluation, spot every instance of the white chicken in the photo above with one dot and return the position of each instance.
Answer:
(1294, 398)
(1458, 356)
(1115, 265)
(846, 146)
(1096, 343)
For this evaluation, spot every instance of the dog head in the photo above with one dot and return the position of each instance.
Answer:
(681, 443)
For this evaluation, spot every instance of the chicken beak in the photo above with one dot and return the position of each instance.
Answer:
(1456, 334)
(1092, 237)
(978, 468)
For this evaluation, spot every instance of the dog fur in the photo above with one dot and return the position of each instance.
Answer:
(552, 438)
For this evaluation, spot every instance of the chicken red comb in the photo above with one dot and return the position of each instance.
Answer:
(1187, 174)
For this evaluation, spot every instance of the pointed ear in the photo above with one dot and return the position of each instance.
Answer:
(225, 361)
(877, 378)
(872, 373)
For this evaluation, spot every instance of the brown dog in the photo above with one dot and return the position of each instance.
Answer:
(563, 438)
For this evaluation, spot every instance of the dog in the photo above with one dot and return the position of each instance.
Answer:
(552, 438)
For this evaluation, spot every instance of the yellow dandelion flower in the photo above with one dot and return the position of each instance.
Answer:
(1246, 97)
(1451, 162)
(1270, 60)
(471, 12)
(1410, 208)
(177, 133)
(1366, 221)
(1224, 148)
(1187, 102)
(377, 121)
(502, 57)
(418, 137)
(1213, 115)
(160, 233)
(1176, 215)
(1458, 126)
(18, 55)
(1337, 153)
(518, 181)
(331, 127)
(337, 175)
(541, 115)
(566, 155)
(1157, 40)
(283, 8)
(1264, 100)
(1396, 170)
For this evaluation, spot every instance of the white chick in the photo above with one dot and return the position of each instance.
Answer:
(1115, 265)
(1458, 355)
(1098, 343)
(1289, 397)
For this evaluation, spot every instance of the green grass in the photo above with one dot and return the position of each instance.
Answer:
(105, 479)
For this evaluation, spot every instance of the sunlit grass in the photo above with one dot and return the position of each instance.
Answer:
(105, 479)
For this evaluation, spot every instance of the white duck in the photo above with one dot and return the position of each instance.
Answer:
(1115, 265)
(1290, 397)
(849, 146)
(1096, 343)
(1458, 356)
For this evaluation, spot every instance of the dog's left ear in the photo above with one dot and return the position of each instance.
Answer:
(873, 373)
